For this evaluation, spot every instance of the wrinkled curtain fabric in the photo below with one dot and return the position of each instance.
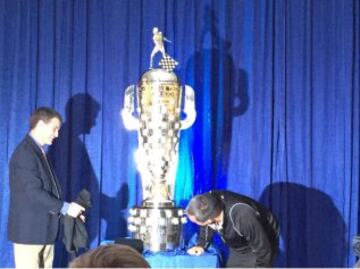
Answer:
(277, 99)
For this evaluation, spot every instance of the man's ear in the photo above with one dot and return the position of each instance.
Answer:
(40, 123)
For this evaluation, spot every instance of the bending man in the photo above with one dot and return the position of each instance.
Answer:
(250, 230)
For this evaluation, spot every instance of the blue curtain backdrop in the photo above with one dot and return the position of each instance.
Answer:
(277, 95)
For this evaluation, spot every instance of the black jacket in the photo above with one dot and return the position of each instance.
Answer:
(74, 230)
(246, 224)
(35, 196)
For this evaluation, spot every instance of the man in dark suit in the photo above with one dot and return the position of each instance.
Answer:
(35, 195)
(249, 229)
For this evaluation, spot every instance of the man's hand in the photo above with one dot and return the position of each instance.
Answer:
(196, 251)
(75, 210)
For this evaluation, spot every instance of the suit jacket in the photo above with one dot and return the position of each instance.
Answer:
(35, 201)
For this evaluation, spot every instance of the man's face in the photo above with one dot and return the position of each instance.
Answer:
(49, 131)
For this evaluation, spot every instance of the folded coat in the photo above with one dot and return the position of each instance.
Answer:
(75, 235)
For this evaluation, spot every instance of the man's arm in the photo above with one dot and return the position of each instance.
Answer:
(29, 176)
(25, 170)
(205, 237)
(204, 240)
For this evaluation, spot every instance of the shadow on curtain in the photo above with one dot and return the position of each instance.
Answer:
(277, 96)
(72, 163)
(313, 232)
(221, 96)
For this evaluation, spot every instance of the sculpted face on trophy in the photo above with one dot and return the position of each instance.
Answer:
(152, 107)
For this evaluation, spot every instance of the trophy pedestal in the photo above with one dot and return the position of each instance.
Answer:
(160, 227)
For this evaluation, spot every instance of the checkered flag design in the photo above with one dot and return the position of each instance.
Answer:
(167, 63)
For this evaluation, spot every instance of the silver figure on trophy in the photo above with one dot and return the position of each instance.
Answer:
(157, 98)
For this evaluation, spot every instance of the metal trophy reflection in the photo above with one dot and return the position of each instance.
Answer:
(157, 98)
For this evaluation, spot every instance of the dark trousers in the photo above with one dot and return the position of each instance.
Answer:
(244, 257)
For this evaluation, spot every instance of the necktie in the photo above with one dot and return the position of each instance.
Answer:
(51, 173)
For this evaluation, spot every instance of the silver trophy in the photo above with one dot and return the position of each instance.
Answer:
(157, 99)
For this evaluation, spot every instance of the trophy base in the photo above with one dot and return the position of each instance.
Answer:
(160, 229)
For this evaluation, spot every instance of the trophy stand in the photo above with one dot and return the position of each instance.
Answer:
(157, 99)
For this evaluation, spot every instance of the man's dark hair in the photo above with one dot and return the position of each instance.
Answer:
(204, 207)
(110, 256)
(45, 114)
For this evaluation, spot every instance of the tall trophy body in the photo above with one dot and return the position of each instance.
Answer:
(153, 108)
